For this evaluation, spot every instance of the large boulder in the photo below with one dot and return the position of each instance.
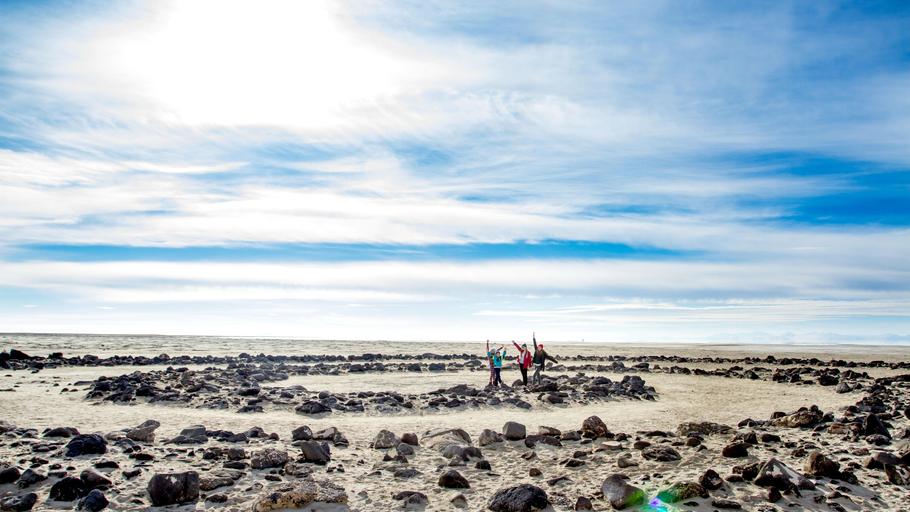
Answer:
(315, 452)
(302, 494)
(144, 432)
(778, 475)
(711, 480)
(268, 458)
(735, 450)
(621, 494)
(519, 498)
(411, 499)
(195, 434)
(18, 503)
(439, 438)
(488, 437)
(93, 501)
(594, 427)
(86, 444)
(67, 489)
(514, 431)
(803, 418)
(873, 425)
(61, 432)
(93, 480)
(9, 475)
(302, 433)
(331, 434)
(819, 465)
(385, 439)
(452, 479)
(172, 488)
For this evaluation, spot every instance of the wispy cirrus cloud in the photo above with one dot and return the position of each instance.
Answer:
(636, 151)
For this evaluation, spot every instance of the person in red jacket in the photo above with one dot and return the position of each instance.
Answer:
(524, 361)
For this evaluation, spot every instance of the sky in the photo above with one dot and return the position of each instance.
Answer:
(639, 171)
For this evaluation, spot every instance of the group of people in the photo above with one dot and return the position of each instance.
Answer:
(525, 360)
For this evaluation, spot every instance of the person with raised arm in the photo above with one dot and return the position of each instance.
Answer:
(540, 360)
(524, 361)
(490, 363)
(496, 357)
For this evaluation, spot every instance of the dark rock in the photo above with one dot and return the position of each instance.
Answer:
(819, 465)
(9, 475)
(410, 438)
(533, 441)
(747, 471)
(704, 428)
(583, 503)
(488, 437)
(312, 407)
(67, 489)
(19, 503)
(18, 355)
(30, 477)
(873, 425)
(195, 434)
(519, 498)
(778, 475)
(171, 488)
(593, 427)
(302, 433)
(93, 480)
(412, 499)
(711, 480)
(268, 458)
(514, 431)
(86, 444)
(452, 479)
(736, 450)
(660, 453)
(620, 494)
(405, 473)
(93, 501)
(385, 439)
(144, 432)
(459, 501)
(725, 504)
(315, 452)
(61, 432)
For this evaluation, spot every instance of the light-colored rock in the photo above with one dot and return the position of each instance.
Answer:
(301, 494)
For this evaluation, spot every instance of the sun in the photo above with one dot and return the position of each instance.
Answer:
(276, 62)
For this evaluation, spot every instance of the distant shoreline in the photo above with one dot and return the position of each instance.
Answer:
(631, 344)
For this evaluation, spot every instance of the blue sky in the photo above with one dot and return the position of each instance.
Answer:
(623, 171)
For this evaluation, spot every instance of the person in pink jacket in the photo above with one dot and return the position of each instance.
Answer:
(524, 360)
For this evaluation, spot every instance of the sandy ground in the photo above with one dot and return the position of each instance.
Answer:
(35, 400)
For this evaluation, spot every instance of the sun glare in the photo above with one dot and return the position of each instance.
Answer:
(278, 62)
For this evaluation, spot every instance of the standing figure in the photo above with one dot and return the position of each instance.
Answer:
(490, 364)
(540, 359)
(496, 357)
(524, 361)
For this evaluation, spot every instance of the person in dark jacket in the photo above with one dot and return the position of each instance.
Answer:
(540, 359)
